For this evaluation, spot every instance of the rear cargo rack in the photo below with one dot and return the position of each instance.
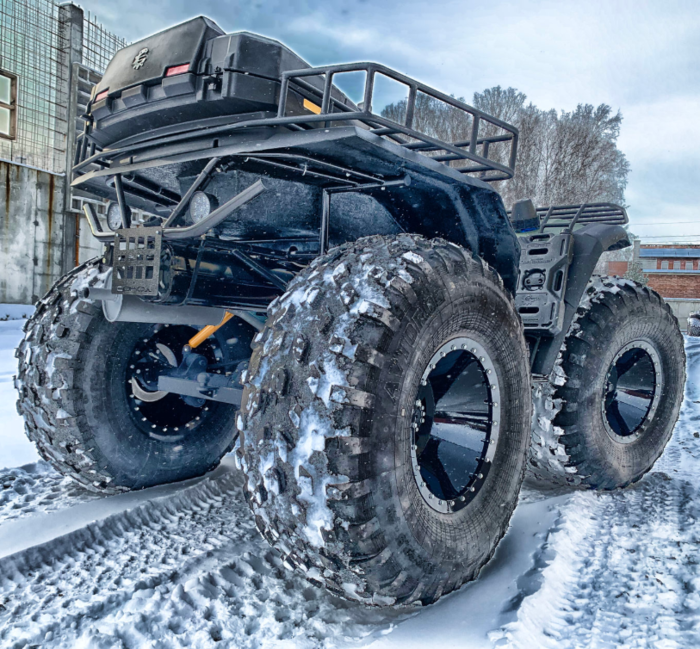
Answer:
(569, 216)
(476, 154)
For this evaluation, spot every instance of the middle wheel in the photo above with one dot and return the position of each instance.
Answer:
(386, 419)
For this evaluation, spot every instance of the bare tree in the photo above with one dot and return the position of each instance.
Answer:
(563, 157)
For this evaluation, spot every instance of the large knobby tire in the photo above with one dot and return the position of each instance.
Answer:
(616, 393)
(78, 408)
(342, 476)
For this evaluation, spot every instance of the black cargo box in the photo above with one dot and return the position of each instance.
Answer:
(192, 72)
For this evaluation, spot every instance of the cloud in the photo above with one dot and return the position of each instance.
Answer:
(639, 56)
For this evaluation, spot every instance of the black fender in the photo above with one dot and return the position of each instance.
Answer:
(589, 243)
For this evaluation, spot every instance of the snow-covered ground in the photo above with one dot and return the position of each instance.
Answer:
(183, 566)
(14, 447)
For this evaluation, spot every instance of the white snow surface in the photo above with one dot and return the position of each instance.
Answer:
(15, 450)
(183, 566)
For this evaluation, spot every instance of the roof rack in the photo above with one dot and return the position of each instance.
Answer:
(474, 155)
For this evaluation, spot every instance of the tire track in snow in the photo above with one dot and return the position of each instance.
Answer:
(37, 488)
(187, 570)
(624, 565)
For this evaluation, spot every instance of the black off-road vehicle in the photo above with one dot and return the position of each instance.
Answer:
(399, 318)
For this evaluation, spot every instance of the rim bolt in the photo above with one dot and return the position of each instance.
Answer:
(480, 476)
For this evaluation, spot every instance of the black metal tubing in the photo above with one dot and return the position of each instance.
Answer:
(345, 173)
(195, 272)
(185, 201)
(325, 221)
(568, 216)
(189, 232)
(217, 216)
(334, 110)
(95, 226)
(366, 116)
(123, 207)
(259, 269)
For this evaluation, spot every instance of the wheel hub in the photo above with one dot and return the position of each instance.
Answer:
(632, 391)
(163, 415)
(455, 424)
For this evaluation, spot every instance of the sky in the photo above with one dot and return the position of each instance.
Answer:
(640, 57)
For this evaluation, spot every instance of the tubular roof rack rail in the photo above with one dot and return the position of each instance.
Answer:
(470, 156)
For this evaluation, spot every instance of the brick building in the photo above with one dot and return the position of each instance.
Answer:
(673, 270)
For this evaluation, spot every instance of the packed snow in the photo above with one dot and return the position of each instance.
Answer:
(183, 565)
(15, 450)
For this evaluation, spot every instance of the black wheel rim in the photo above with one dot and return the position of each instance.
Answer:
(631, 392)
(455, 425)
(172, 417)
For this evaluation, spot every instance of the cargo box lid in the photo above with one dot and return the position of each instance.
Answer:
(147, 60)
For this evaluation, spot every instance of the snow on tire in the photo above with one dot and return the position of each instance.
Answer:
(78, 406)
(613, 400)
(375, 357)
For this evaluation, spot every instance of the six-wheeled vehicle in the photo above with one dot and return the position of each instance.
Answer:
(342, 300)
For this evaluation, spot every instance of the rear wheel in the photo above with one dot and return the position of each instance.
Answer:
(624, 367)
(88, 393)
(385, 419)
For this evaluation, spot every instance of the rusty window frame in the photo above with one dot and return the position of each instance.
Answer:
(12, 106)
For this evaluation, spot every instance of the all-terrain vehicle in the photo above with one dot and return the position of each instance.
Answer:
(400, 319)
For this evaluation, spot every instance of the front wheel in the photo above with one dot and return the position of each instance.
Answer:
(619, 388)
(385, 419)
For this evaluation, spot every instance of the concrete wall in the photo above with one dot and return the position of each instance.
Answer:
(37, 243)
(682, 309)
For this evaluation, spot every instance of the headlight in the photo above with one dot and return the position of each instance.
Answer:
(201, 205)
(114, 217)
